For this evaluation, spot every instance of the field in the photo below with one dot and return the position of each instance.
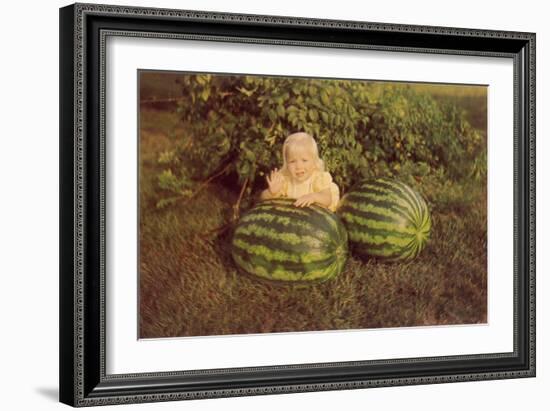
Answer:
(189, 285)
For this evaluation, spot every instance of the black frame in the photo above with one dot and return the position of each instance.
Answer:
(83, 29)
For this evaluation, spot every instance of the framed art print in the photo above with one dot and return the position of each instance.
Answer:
(262, 204)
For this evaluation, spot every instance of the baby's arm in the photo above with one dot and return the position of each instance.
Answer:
(325, 193)
(275, 182)
(323, 198)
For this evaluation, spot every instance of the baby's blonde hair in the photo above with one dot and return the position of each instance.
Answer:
(304, 139)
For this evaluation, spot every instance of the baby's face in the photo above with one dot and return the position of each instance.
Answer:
(300, 163)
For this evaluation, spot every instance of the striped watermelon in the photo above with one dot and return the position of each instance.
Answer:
(279, 241)
(385, 218)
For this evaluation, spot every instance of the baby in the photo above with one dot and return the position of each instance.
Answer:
(302, 176)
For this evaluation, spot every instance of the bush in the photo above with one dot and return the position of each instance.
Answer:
(235, 125)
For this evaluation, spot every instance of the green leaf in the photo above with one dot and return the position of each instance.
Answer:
(312, 91)
(205, 94)
(313, 115)
(223, 146)
(250, 156)
(325, 98)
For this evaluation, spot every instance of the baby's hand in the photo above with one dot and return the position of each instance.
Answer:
(306, 200)
(275, 181)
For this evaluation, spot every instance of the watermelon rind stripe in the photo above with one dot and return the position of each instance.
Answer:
(358, 198)
(282, 208)
(286, 242)
(390, 191)
(390, 210)
(293, 268)
(402, 189)
(381, 239)
(377, 224)
(288, 217)
(393, 251)
(280, 220)
(419, 204)
(329, 217)
(278, 255)
(418, 200)
(342, 236)
(263, 268)
(405, 191)
(349, 211)
(281, 234)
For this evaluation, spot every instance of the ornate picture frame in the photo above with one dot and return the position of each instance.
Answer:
(85, 379)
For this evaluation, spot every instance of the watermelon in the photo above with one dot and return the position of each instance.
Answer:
(279, 241)
(385, 218)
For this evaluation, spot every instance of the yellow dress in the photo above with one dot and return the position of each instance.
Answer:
(319, 181)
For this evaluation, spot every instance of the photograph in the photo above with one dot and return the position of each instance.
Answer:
(274, 204)
(265, 204)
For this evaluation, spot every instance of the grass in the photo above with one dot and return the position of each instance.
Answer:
(189, 285)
